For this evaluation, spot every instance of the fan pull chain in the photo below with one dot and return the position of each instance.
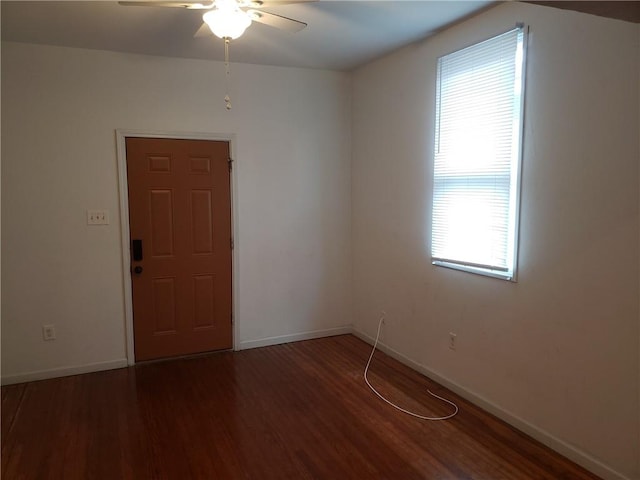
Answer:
(227, 99)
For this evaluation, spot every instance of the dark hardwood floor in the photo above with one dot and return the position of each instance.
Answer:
(293, 411)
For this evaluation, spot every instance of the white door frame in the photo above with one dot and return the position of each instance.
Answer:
(121, 135)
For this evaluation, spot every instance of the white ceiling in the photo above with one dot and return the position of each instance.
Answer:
(340, 35)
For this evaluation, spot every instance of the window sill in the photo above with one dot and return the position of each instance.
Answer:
(509, 276)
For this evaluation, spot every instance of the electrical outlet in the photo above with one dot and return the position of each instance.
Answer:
(48, 332)
(383, 314)
(452, 340)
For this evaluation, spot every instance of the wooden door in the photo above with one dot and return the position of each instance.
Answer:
(180, 224)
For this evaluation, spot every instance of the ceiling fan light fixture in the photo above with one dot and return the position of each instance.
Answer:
(227, 23)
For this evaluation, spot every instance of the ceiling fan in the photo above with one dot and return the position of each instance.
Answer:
(229, 19)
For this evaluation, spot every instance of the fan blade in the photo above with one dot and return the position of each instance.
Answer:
(277, 21)
(187, 4)
(271, 3)
(203, 31)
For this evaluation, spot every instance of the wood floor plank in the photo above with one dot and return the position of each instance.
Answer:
(293, 411)
(11, 399)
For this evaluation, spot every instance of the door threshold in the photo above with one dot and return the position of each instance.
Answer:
(182, 357)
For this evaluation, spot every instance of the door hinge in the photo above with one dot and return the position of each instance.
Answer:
(231, 243)
(230, 163)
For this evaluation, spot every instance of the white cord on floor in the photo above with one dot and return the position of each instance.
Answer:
(366, 369)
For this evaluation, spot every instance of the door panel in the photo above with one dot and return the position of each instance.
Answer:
(161, 216)
(180, 209)
(204, 301)
(202, 229)
(164, 305)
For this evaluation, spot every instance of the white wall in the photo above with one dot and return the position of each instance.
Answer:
(557, 352)
(60, 109)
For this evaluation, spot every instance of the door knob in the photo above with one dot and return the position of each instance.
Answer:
(137, 270)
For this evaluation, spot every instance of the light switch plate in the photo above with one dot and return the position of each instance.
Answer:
(97, 217)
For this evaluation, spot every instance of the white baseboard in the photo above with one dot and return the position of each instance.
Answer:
(296, 337)
(63, 372)
(576, 455)
(569, 451)
(121, 363)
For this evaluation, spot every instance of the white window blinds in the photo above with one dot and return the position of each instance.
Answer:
(479, 101)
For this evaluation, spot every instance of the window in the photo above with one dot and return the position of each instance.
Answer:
(476, 181)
